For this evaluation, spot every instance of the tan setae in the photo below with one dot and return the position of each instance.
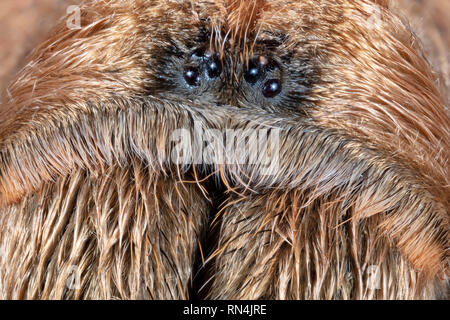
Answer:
(92, 187)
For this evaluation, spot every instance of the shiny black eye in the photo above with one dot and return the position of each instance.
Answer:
(192, 76)
(272, 88)
(253, 73)
(214, 68)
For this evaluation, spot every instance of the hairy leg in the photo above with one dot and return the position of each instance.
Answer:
(126, 234)
(281, 245)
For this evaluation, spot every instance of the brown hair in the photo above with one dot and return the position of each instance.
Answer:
(87, 179)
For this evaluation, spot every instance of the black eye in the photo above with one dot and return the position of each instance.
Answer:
(272, 88)
(253, 73)
(214, 68)
(192, 76)
(200, 53)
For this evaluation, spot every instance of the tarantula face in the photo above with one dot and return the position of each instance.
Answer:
(253, 61)
(356, 179)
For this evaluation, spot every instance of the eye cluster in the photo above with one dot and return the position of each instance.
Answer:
(206, 67)
(260, 75)
(263, 73)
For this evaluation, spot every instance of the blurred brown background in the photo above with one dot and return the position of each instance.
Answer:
(24, 23)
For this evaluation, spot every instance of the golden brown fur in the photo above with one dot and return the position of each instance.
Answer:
(87, 179)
